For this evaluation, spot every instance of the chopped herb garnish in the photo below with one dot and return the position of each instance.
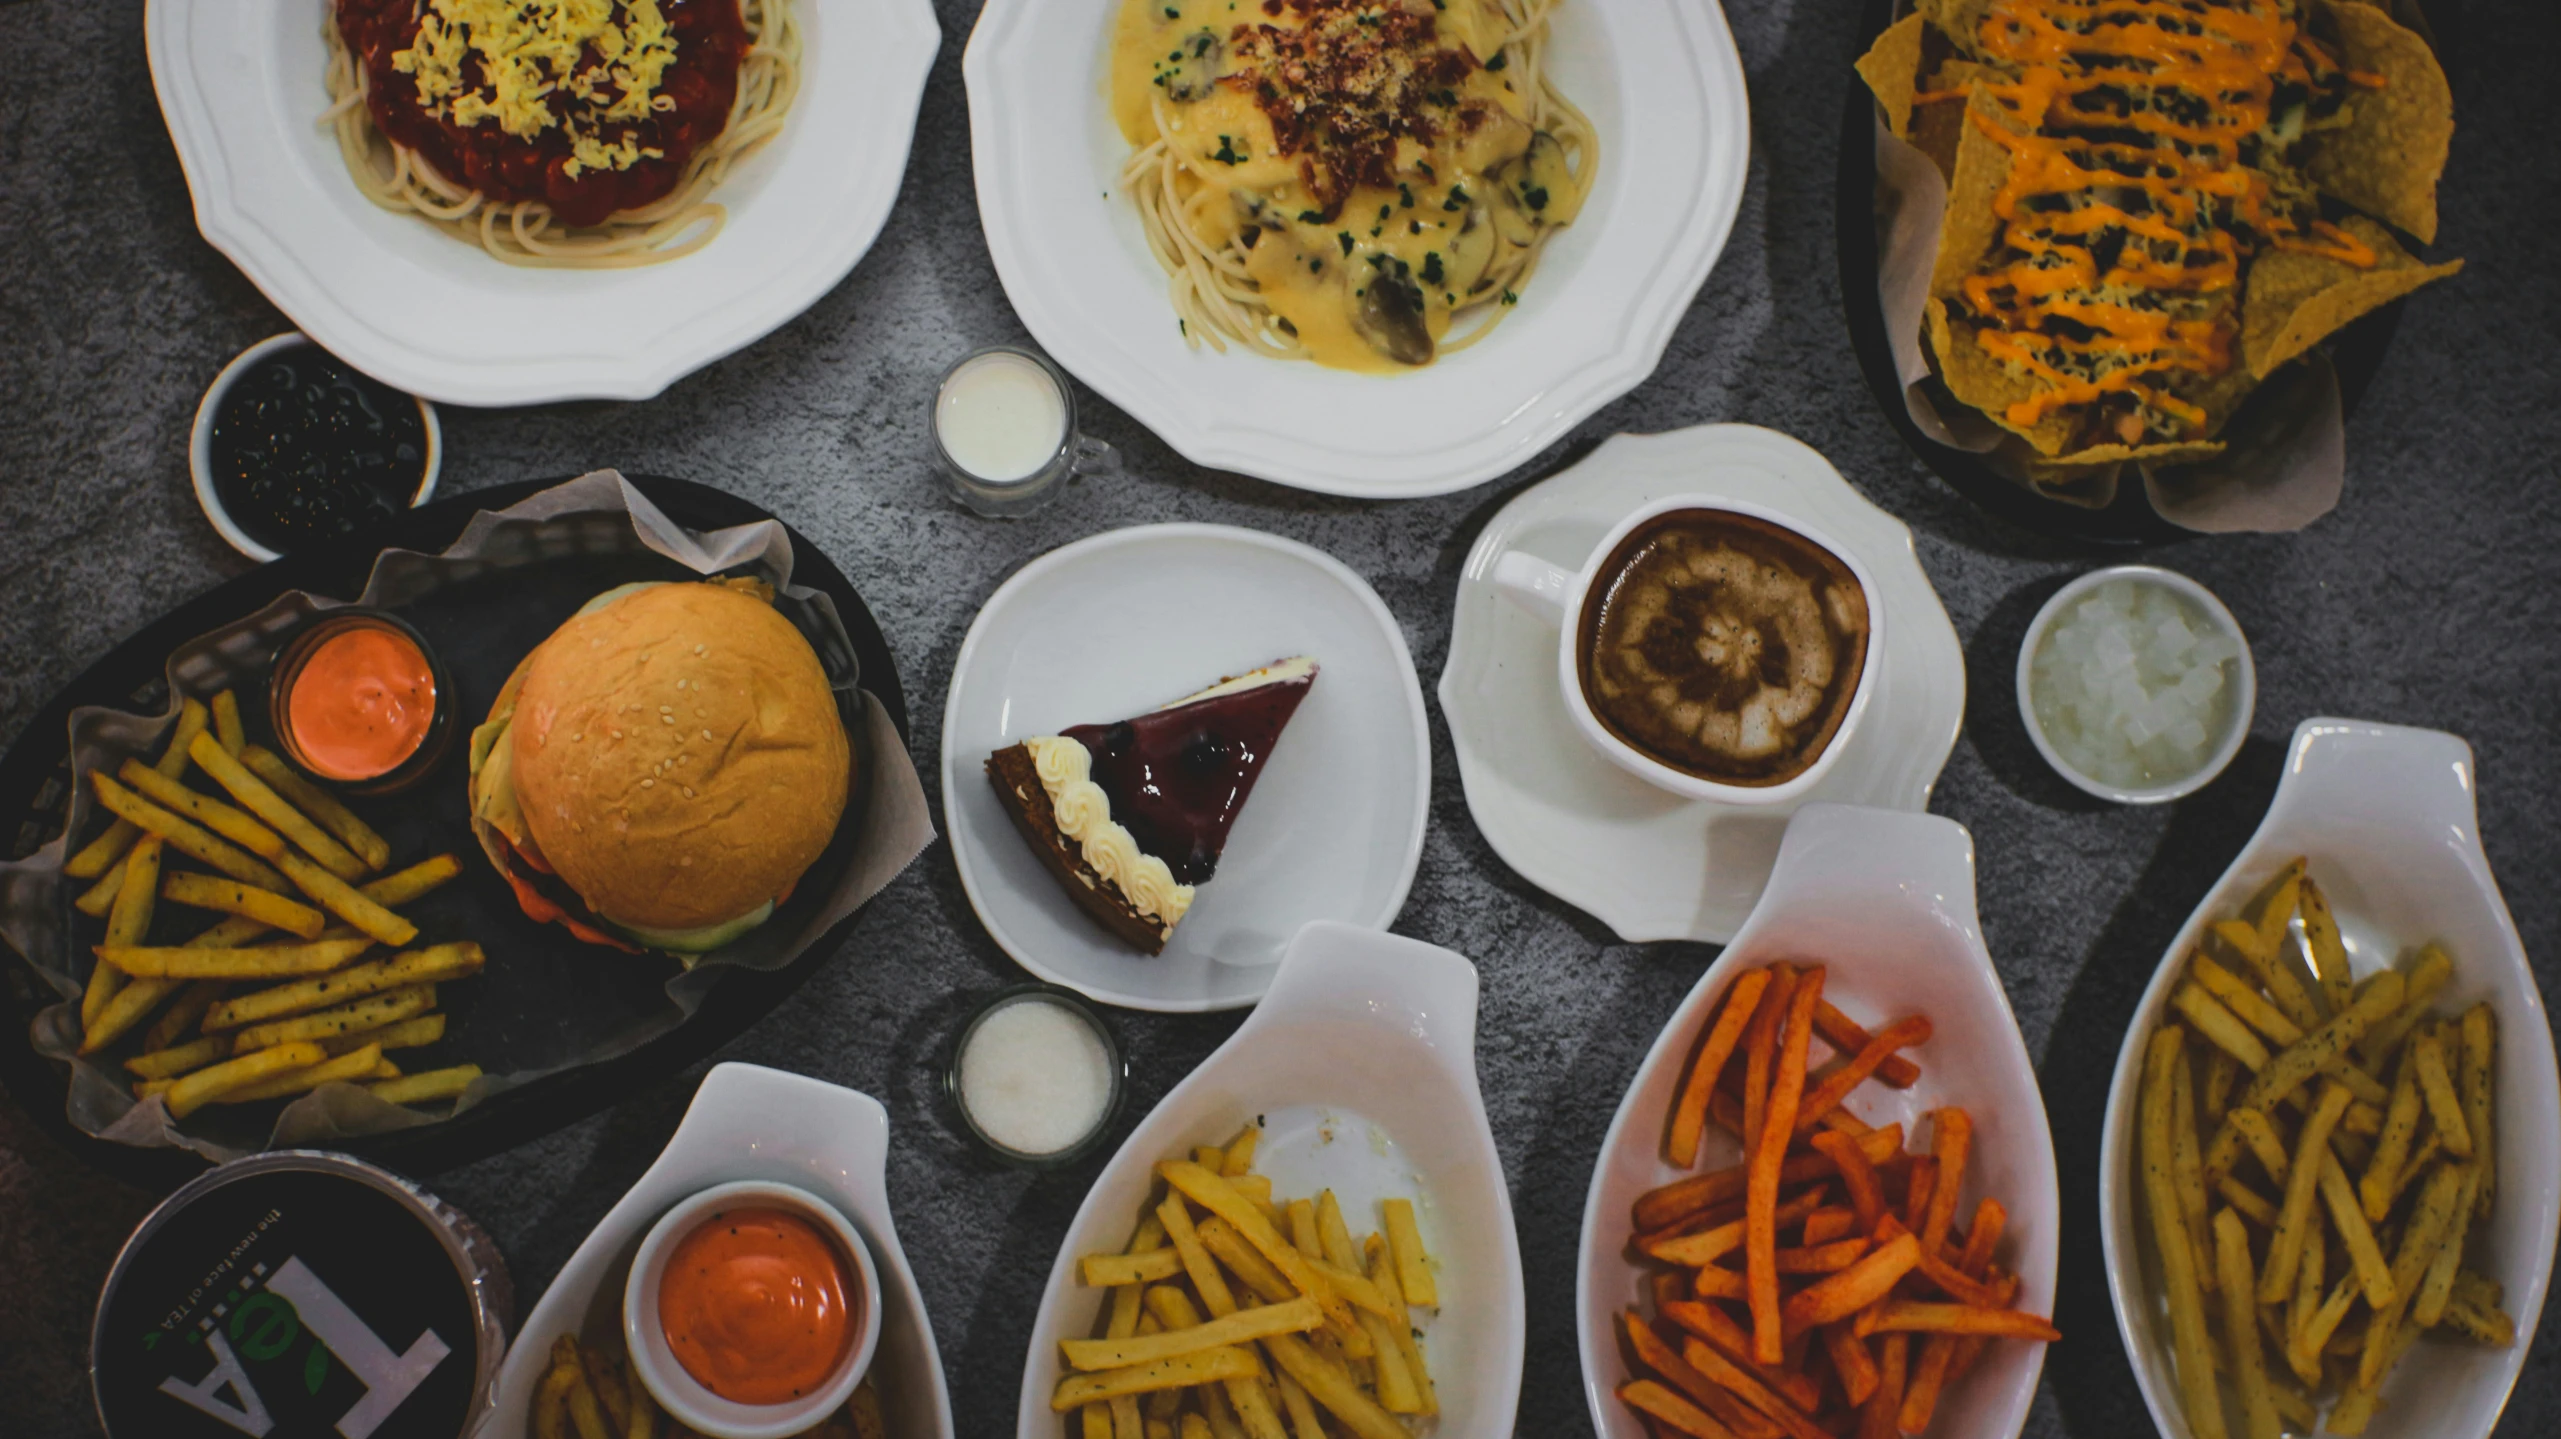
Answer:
(1227, 152)
(1510, 298)
(1457, 198)
(1344, 239)
(1501, 60)
(1535, 197)
(1311, 217)
(1432, 267)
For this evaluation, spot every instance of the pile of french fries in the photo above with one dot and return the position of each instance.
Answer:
(2309, 1200)
(1859, 1299)
(1253, 1319)
(591, 1392)
(272, 835)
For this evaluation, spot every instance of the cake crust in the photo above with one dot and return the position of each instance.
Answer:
(1017, 780)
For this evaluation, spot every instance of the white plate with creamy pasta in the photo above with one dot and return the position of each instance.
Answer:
(738, 164)
(1369, 286)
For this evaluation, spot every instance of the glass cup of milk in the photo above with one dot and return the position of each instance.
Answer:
(1005, 431)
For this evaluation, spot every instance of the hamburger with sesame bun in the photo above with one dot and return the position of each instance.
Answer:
(659, 773)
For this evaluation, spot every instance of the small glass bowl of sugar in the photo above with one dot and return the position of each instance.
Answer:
(1037, 1075)
(2136, 685)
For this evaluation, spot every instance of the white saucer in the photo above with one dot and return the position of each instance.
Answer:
(1124, 621)
(1651, 865)
(749, 1122)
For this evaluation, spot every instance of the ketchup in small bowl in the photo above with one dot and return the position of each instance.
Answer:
(358, 700)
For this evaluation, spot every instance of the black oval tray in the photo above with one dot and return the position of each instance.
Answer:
(35, 780)
(2355, 352)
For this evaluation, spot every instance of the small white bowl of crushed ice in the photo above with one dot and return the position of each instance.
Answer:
(2135, 683)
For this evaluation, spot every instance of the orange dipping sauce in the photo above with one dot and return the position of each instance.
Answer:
(756, 1306)
(362, 702)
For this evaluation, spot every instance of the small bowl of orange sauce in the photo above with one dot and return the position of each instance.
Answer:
(752, 1310)
(358, 700)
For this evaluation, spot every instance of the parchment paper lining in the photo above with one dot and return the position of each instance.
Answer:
(887, 821)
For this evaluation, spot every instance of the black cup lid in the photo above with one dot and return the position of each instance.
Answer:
(300, 1293)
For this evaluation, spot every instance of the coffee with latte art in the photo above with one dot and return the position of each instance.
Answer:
(1725, 646)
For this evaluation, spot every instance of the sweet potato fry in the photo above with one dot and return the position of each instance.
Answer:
(1717, 1330)
(1654, 1401)
(1689, 1115)
(1829, 1258)
(1851, 1361)
(1849, 1037)
(1835, 1086)
(1760, 1051)
(1880, 1417)
(1912, 1316)
(1707, 1360)
(1711, 1282)
(1951, 1139)
(1662, 1208)
(1769, 1152)
(1850, 1159)
(1853, 1289)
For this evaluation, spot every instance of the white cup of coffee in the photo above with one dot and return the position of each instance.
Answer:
(1713, 648)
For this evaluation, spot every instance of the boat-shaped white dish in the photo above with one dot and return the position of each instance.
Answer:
(1885, 901)
(2385, 817)
(749, 1122)
(1361, 1061)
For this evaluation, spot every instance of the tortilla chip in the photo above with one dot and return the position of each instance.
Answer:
(1937, 125)
(2173, 452)
(1984, 383)
(1970, 229)
(1958, 20)
(2297, 300)
(2386, 160)
(1892, 67)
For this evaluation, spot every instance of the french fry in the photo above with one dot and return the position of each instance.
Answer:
(1303, 1423)
(1769, 1144)
(2428, 974)
(319, 804)
(2252, 1205)
(354, 1017)
(2220, 1026)
(227, 728)
(2392, 1144)
(2321, 939)
(230, 896)
(2307, 1056)
(1851, 1362)
(431, 965)
(98, 898)
(401, 886)
(99, 854)
(1413, 1262)
(427, 1085)
(2266, 962)
(2277, 901)
(343, 900)
(170, 1063)
(2347, 1216)
(1951, 1138)
(2285, 1249)
(1652, 1352)
(2221, 1072)
(185, 836)
(355, 1065)
(415, 1032)
(127, 921)
(2445, 1111)
(1881, 1417)
(2430, 1220)
(1108, 1270)
(2248, 1361)
(1221, 1198)
(2480, 1322)
(266, 962)
(196, 1090)
(551, 1398)
(1400, 1321)
(1331, 1390)
(2187, 1167)
(237, 826)
(1245, 1325)
(2437, 1285)
(2475, 1058)
(254, 795)
(2192, 1354)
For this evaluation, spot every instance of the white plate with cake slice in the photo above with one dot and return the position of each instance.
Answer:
(1102, 639)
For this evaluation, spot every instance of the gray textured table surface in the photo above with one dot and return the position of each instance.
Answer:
(2433, 597)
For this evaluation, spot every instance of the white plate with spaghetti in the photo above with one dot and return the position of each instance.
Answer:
(758, 154)
(1487, 308)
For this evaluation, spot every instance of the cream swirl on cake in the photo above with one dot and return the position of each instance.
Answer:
(1084, 815)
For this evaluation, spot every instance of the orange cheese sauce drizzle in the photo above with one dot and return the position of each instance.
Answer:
(2128, 128)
